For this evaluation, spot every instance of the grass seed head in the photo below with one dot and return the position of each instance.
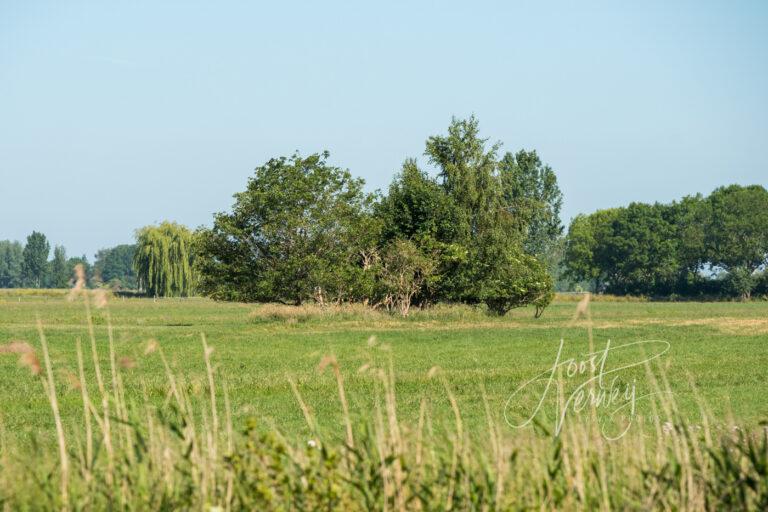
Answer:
(79, 282)
(126, 363)
(99, 298)
(27, 356)
(152, 346)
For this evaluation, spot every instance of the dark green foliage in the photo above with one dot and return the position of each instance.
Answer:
(293, 234)
(639, 252)
(690, 217)
(761, 284)
(675, 249)
(35, 264)
(468, 174)
(586, 234)
(737, 231)
(305, 230)
(532, 195)
(87, 268)
(492, 207)
(740, 282)
(512, 278)
(11, 262)
(417, 207)
(60, 274)
(114, 266)
(404, 270)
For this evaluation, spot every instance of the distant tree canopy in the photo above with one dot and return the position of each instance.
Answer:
(306, 230)
(11, 264)
(697, 246)
(163, 260)
(114, 266)
(87, 270)
(35, 260)
(59, 273)
(28, 265)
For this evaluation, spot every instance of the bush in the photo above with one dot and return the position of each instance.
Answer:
(739, 283)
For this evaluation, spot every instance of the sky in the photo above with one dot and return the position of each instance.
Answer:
(115, 116)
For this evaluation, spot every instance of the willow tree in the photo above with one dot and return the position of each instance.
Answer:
(163, 260)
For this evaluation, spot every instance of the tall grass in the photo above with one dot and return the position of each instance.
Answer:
(360, 313)
(187, 455)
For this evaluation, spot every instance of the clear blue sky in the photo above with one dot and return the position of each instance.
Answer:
(116, 116)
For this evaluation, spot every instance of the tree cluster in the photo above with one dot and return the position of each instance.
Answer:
(696, 247)
(305, 230)
(114, 267)
(27, 265)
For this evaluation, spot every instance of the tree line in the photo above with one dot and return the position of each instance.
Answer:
(27, 265)
(473, 231)
(468, 224)
(701, 247)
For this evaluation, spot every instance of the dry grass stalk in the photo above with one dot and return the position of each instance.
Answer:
(304, 409)
(79, 282)
(230, 476)
(99, 298)
(50, 390)
(396, 442)
(214, 434)
(104, 421)
(334, 364)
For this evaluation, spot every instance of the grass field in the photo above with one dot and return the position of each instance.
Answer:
(345, 408)
(721, 347)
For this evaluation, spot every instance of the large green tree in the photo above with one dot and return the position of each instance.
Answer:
(586, 235)
(418, 208)
(490, 265)
(163, 260)
(35, 264)
(737, 232)
(690, 218)
(293, 234)
(11, 262)
(533, 197)
(639, 253)
(467, 168)
(630, 250)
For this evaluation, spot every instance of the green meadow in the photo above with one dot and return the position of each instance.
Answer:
(716, 358)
